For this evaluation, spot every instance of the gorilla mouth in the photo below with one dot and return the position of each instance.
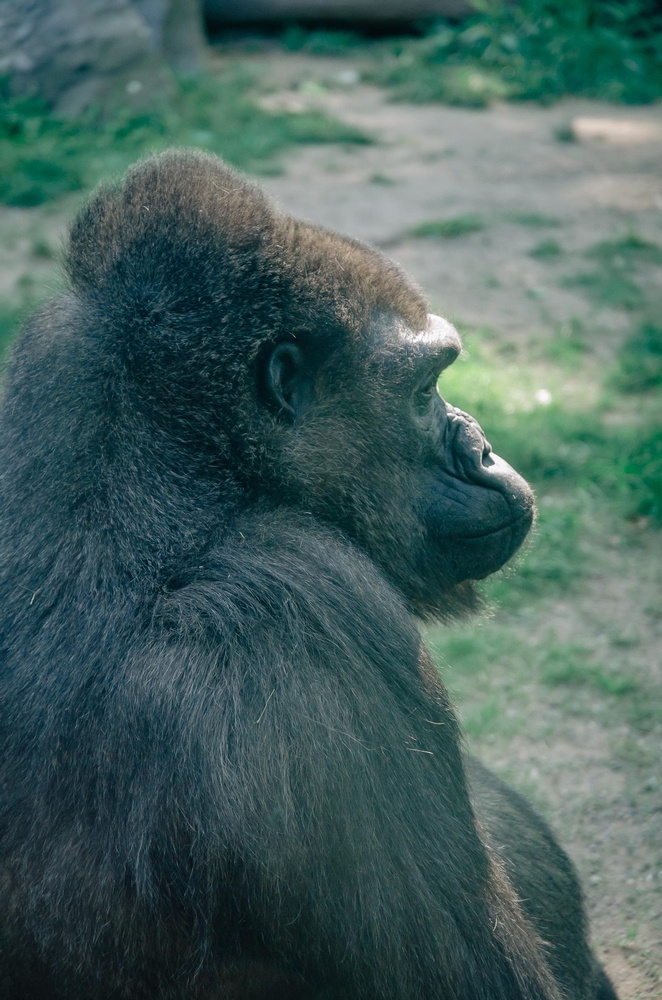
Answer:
(521, 520)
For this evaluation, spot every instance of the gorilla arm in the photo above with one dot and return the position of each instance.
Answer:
(544, 879)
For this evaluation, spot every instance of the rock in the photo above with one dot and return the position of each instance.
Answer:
(616, 131)
(78, 52)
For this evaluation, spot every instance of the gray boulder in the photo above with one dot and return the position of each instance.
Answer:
(78, 52)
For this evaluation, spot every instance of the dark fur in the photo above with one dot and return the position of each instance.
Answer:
(223, 774)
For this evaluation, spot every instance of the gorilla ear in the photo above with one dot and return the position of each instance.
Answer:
(289, 381)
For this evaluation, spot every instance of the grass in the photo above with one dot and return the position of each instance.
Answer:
(534, 219)
(567, 344)
(612, 283)
(546, 250)
(644, 467)
(607, 287)
(627, 252)
(43, 157)
(495, 671)
(640, 359)
(382, 179)
(460, 225)
(535, 49)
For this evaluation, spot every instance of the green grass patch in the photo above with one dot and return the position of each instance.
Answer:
(535, 49)
(43, 157)
(547, 250)
(626, 252)
(460, 225)
(608, 288)
(493, 670)
(568, 343)
(10, 318)
(484, 719)
(640, 360)
(533, 219)
(42, 249)
(571, 665)
(565, 133)
(643, 466)
(612, 284)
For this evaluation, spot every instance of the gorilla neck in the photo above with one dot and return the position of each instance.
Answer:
(122, 502)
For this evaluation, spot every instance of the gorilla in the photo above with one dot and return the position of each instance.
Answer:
(230, 495)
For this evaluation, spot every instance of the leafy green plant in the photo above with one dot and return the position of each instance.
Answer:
(538, 49)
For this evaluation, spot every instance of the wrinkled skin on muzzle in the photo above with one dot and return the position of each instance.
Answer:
(480, 509)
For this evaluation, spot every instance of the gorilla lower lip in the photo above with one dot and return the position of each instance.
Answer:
(521, 521)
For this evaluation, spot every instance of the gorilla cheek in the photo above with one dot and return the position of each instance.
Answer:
(476, 525)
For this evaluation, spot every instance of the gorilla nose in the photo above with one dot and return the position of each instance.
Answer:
(444, 339)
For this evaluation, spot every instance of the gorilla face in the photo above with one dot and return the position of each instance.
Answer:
(373, 448)
(476, 508)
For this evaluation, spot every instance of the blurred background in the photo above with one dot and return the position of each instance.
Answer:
(509, 156)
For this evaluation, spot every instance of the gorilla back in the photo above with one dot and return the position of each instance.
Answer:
(229, 491)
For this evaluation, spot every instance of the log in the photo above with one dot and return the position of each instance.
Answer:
(221, 12)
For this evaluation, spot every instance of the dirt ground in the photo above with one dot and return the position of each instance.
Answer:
(597, 776)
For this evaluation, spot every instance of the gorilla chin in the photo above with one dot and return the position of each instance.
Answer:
(485, 554)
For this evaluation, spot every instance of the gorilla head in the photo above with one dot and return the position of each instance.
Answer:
(301, 365)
